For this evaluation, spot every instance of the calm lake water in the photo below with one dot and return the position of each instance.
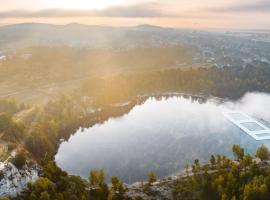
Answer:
(161, 136)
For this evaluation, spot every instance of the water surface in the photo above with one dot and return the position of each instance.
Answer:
(159, 135)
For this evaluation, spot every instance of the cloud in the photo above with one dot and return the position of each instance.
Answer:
(148, 10)
(259, 6)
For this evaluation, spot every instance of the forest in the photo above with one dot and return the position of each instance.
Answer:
(228, 82)
(243, 178)
(40, 128)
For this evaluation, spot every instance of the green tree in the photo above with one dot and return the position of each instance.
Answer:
(118, 189)
(19, 160)
(152, 177)
(68, 187)
(219, 160)
(212, 160)
(12, 131)
(262, 153)
(4, 198)
(98, 188)
(45, 196)
(43, 189)
(238, 152)
(39, 144)
(187, 169)
(224, 197)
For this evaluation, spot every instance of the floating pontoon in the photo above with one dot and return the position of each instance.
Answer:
(249, 125)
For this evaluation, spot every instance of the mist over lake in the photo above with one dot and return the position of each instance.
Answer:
(128, 100)
(161, 135)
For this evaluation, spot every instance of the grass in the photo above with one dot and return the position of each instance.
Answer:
(3, 156)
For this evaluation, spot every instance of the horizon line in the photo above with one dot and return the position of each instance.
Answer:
(138, 25)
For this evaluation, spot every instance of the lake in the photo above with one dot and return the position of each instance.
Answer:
(160, 135)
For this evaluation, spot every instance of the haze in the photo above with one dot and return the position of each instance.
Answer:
(198, 14)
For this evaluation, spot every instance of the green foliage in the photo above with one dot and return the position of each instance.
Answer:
(63, 63)
(57, 185)
(227, 180)
(11, 146)
(256, 190)
(10, 106)
(2, 175)
(223, 179)
(70, 187)
(12, 131)
(238, 152)
(263, 153)
(43, 188)
(231, 83)
(19, 160)
(152, 177)
(5, 198)
(98, 188)
(213, 160)
(118, 189)
(39, 144)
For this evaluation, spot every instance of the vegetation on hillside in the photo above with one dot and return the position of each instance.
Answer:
(231, 83)
(37, 66)
(244, 178)
(96, 100)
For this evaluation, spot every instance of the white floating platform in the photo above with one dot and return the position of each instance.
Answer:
(251, 126)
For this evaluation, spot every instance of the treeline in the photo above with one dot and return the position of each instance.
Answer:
(244, 178)
(61, 118)
(227, 82)
(10, 106)
(11, 130)
(56, 184)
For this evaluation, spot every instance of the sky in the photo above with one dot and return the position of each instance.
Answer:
(197, 14)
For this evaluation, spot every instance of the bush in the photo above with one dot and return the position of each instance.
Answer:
(152, 177)
(11, 146)
(1, 176)
(19, 160)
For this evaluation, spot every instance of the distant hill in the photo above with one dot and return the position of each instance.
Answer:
(78, 35)
(216, 48)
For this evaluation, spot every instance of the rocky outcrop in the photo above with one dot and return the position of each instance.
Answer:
(13, 181)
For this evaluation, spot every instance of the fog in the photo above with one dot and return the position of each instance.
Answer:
(162, 136)
(253, 104)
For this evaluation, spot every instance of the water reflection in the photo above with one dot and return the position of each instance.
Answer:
(161, 135)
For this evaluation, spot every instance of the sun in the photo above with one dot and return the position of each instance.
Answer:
(82, 4)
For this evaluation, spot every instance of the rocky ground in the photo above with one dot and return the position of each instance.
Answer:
(13, 180)
(159, 190)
